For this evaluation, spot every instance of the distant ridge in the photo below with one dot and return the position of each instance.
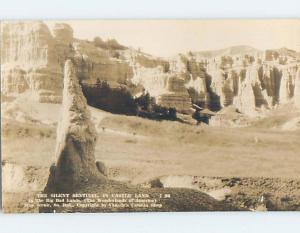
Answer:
(286, 52)
(230, 51)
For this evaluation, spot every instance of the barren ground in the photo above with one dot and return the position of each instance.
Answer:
(238, 165)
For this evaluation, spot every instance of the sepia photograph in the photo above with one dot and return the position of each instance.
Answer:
(150, 115)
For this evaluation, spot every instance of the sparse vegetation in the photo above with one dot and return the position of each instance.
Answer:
(114, 100)
(199, 117)
(110, 44)
(120, 100)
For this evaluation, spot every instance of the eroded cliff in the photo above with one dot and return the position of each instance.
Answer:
(32, 59)
(29, 61)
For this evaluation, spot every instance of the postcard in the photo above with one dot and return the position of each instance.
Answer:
(150, 115)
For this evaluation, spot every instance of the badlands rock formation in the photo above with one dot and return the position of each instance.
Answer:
(245, 99)
(96, 63)
(149, 73)
(252, 86)
(217, 84)
(284, 92)
(76, 138)
(32, 59)
(77, 172)
(29, 61)
(200, 95)
(177, 97)
(63, 36)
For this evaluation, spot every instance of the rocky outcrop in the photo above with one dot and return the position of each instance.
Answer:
(27, 44)
(63, 33)
(177, 97)
(272, 84)
(267, 83)
(285, 85)
(153, 80)
(216, 86)
(229, 88)
(253, 75)
(63, 36)
(194, 76)
(94, 63)
(32, 59)
(198, 91)
(29, 60)
(76, 138)
(77, 173)
(245, 100)
(150, 73)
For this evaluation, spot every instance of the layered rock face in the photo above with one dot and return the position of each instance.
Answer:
(224, 85)
(216, 87)
(26, 44)
(194, 76)
(200, 95)
(151, 74)
(63, 35)
(245, 99)
(278, 82)
(76, 138)
(154, 80)
(29, 60)
(177, 97)
(32, 59)
(248, 83)
(230, 88)
(268, 84)
(285, 91)
(95, 63)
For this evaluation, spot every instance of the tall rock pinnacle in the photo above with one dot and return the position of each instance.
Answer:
(245, 100)
(76, 138)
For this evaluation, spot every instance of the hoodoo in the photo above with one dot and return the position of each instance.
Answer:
(245, 100)
(33, 56)
(76, 138)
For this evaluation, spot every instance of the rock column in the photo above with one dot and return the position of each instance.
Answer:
(76, 138)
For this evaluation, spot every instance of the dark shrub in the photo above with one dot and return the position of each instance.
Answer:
(115, 100)
(120, 100)
(111, 44)
(199, 117)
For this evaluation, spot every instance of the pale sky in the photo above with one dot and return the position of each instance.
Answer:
(169, 37)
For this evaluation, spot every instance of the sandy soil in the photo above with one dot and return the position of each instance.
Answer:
(264, 156)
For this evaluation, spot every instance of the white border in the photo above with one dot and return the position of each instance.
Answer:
(213, 222)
